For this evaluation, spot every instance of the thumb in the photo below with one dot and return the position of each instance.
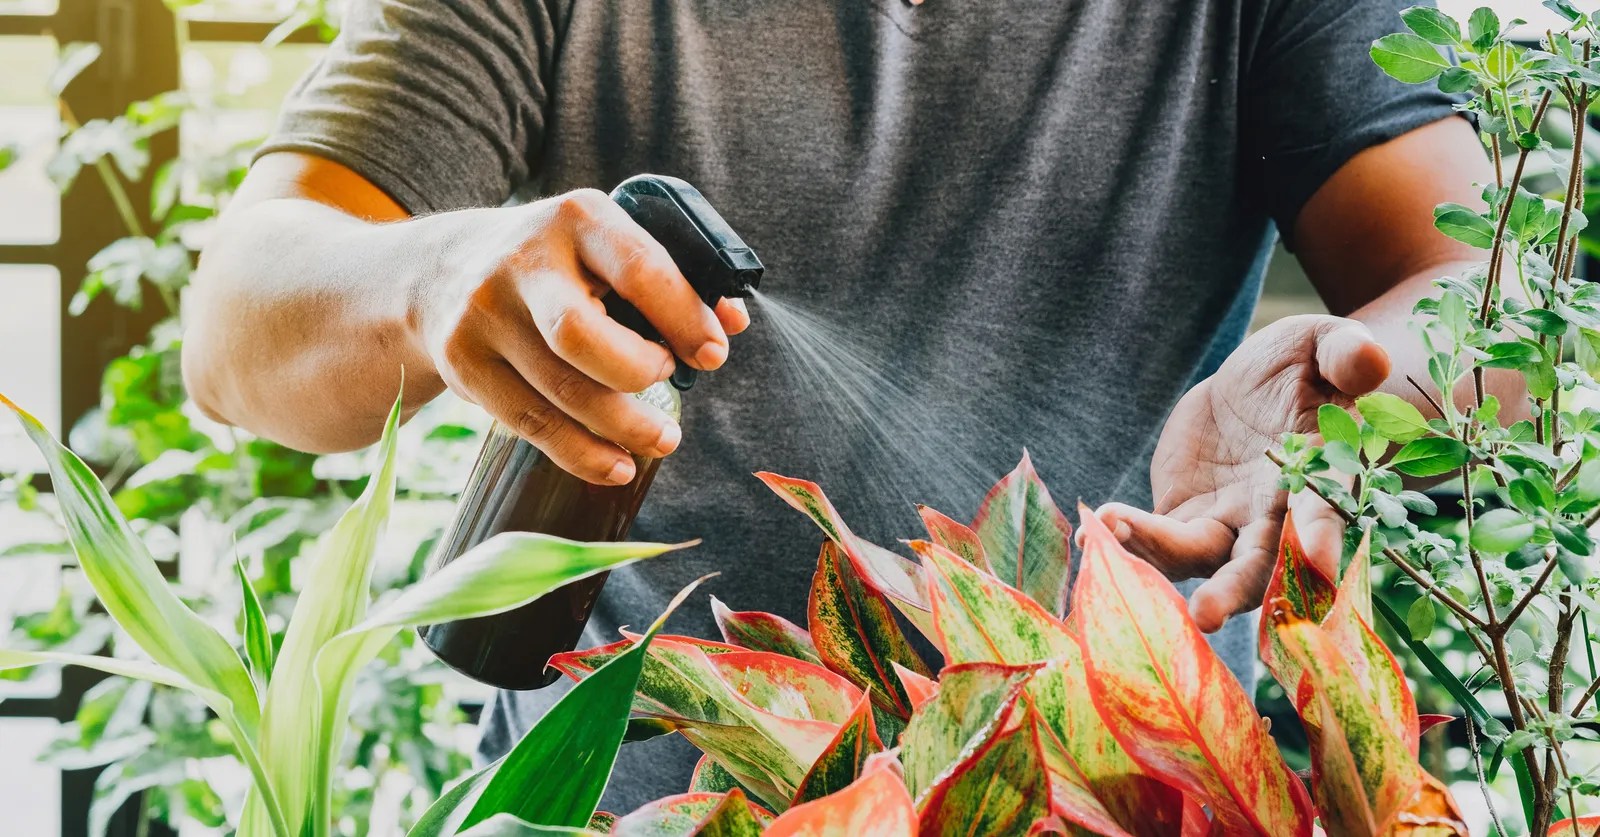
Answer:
(1351, 359)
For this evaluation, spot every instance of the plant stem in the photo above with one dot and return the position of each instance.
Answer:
(1483, 780)
(1497, 253)
(1527, 598)
(1428, 397)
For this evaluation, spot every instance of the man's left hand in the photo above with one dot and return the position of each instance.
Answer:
(1218, 508)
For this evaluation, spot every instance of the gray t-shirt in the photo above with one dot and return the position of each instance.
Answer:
(1044, 220)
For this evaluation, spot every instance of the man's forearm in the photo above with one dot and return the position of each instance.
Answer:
(297, 321)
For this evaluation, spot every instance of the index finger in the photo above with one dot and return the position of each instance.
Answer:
(620, 253)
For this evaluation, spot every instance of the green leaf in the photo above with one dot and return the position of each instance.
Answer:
(1430, 457)
(1337, 425)
(1483, 28)
(1026, 538)
(1420, 619)
(443, 818)
(1588, 351)
(556, 773)
(1393, 417)
(841, 763)
(505, 825)
(1565, 9)
(1501, 531)
(1342, 457)
(1432, 25)
(1463, 224)
(131, 588)
(258, 646)
(1408, 58)
(856, 634)
(972, 705)
(1512, 354)
(1457, 80)
(75, 58)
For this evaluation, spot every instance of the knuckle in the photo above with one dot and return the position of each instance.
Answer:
(643, 266)
(539, 422)
(570, 390)
(569, 332)
(580, 206)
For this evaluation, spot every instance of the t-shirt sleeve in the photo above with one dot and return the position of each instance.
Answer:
(1312, 98)
(437, 102)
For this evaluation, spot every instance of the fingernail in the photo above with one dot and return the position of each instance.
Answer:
(621, 473)
(1121, 531)
(711, 355)
(670, 436)
(739, 304)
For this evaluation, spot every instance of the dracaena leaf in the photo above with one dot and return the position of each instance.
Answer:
(556, 773)
(682, 814)
(974, 702)
(130, 587)
(1170, 700)
(505, 825)
(1365, 778)
(1000, 788)
(977, 618)
(841, 762)
(856, 634)
(875, 805)
(956, 537)
(890, 574)
(1027, 539)
(759, 631)
(1309, 592)
(257, 637)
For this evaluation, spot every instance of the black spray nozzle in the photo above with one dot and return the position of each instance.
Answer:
(707, 251)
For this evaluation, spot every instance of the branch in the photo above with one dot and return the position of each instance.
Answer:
(1527, 598)
(1426, 396)
(1497, 252)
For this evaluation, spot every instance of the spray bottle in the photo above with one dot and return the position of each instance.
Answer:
(516, 488)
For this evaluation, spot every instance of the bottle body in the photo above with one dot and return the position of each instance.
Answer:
(516, 488)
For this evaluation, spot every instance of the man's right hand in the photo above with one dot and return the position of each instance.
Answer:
(524, 333)
(317, 288)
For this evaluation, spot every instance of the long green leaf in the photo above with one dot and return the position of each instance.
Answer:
(505, 825)
(443, 818)
(257, 637)
(271, 810)
(130, 587)
(557, 772)
(297, 749)
(1436, 667)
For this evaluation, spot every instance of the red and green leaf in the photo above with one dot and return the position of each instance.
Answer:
(892, 575)
(856, 634)
(875, 805)
(1170, 701)
(733, 817)
(841, 763)
(1366, 780)
(1001, 788)
(1588, 826)
(1026, 538)
(1075, 808)
(1310, 595)
(918, 688)
(684, 814)
(764, 717)
(1376, 670)
(978, 618)
(711, 777)
(956, 537)
(759, 631)
(973, 704)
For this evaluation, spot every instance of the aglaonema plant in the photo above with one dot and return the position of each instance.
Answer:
(285, 709)
(1116, 718)
(1516, 579)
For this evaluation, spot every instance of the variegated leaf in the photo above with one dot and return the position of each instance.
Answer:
(1588, 826)
(759, 631)
(1169, 699)
(1310, 594)
(732, 817)
(856, 634)
(841, 763)
(1376, 670)
(1366, 780)
(1001, 788)
(1027, 539)
(682, 815)
(1426, 721)
(875, 805)
(918, 688)
(893, 575)
(1074, 807)
(956, 537)
(1356, 584)
(979, 618)
(973, 703)
(710, 777)
(764, 717)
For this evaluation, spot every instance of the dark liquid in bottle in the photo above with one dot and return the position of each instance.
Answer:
(516, 488)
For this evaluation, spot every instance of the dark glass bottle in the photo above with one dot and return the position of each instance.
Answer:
(516, 488)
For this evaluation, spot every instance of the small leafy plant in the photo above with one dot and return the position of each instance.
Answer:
(285, 709)
(1117, 719)
(1516, 578)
